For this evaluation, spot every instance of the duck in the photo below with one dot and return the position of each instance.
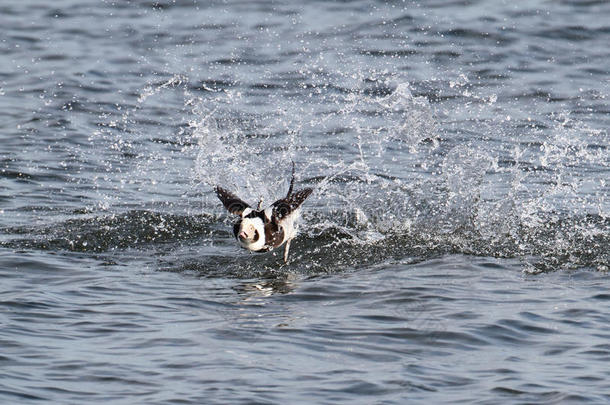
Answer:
(262, 230)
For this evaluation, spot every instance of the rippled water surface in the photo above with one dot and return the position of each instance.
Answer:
(455, 249)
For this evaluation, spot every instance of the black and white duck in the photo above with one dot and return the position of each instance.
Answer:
(262, 230)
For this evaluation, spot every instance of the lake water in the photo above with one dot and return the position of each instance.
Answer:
(455, 249)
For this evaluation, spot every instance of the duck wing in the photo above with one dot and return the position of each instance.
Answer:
(284, 207)
(232, 203)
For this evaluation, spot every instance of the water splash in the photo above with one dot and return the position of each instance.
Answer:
(384, 171)
(394, 178)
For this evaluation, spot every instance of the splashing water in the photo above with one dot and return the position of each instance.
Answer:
(394, 178)
(388, 178)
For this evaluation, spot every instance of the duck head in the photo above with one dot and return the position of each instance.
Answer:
(251, 233)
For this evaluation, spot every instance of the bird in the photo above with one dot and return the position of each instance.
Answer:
(262, 230)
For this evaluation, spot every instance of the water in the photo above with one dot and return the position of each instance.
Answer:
(455, 249)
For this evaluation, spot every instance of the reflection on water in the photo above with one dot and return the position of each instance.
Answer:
(266, 288)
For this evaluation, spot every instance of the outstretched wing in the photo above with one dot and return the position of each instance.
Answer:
(231, 202)
(284, 207)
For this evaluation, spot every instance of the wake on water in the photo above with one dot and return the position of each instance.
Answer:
(391, 184)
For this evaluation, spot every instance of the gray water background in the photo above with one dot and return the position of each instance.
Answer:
(456, 248)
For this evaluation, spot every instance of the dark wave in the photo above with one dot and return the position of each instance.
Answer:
(95, 234)
(558, 244)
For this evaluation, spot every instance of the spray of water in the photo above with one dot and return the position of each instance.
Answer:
(387, 178)
(393, 178)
